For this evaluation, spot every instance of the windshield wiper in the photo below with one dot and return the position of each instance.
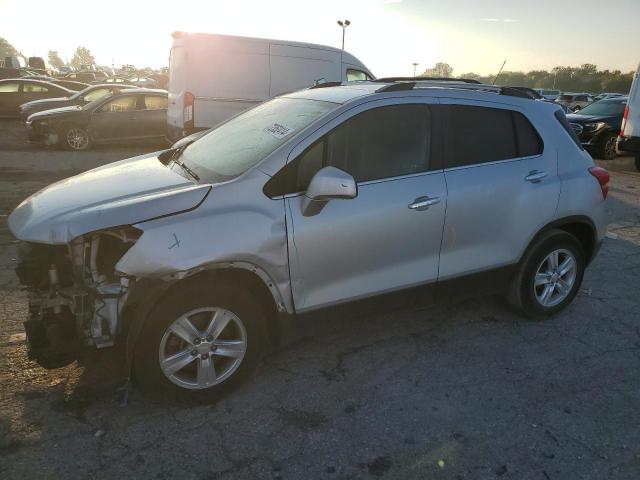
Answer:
(175, 155)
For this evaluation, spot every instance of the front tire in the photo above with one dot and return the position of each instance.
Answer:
(75, 137)
(550, 275)
(608, 147)
(200, 342)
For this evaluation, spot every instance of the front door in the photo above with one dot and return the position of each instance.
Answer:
(116, 119)
(388, 237)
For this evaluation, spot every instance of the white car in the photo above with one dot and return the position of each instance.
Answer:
(629, 139)
(214, 77)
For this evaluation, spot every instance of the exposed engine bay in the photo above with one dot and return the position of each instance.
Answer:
(76, 298)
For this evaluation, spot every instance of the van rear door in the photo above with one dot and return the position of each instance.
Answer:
(631, 125)
(177, 89)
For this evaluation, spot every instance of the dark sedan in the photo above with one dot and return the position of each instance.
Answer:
(597, 126)
(16, 91)
(133, 115)
(88, 95)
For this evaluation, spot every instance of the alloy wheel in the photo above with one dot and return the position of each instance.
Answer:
(202, 348)
(77, 138)
(555, 277)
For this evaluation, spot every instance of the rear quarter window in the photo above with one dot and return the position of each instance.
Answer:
(562, 119)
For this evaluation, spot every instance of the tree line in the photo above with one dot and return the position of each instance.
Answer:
(585, 78)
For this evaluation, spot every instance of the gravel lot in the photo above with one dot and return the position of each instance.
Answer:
(464, 391)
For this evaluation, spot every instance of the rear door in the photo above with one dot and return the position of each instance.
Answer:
(152, 117)
(502, 186)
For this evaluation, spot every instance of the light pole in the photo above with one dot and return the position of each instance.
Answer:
(415, 64)
(344, 24)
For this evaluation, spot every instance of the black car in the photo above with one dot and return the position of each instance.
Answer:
(597, 126)
(16, 91)
(87, 95)
(133, 115)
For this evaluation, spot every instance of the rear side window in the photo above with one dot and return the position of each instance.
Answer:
(155, 102)
(9, 87)
(34, 88)
(560, 116)
(482, 134)
(527, 138)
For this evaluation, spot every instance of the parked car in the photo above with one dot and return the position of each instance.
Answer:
(574, 101)
(602, 96)
(597, 126)
(629, 139)
(115, 79)
(66, 69)
(89, 94)
(548, 93)
(85, 77)
(193, 256)
(16, 91)
(132, 115)
(214, 77)
(144, 82)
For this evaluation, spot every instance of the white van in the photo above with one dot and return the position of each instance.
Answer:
(213, 77)
(629, 139)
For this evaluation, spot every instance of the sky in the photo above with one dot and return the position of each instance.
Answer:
(386, 35)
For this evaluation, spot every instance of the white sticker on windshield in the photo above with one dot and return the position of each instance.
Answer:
(278, 130)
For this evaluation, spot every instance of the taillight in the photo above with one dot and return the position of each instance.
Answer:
(624, 120)
(603, 179)
(187, 113)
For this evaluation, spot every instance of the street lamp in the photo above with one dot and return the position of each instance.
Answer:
(344, 24)
(415, 64)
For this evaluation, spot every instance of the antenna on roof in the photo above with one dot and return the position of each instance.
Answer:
(498, 74)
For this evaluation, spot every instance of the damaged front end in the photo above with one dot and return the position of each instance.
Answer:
(76, 297)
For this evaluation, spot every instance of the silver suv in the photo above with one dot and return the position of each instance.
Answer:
(191, 259)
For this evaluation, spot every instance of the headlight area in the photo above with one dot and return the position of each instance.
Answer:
(76, 297)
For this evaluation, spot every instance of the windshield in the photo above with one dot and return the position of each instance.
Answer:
(239, 144)
(605, 107)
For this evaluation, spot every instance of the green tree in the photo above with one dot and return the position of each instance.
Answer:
(6, 49)
(54, 59)
(82, 56)
(441, 69)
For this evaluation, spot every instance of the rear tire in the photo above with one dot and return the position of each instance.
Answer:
(608, 147)
(638, 162)
(217, 359)
(550, 275)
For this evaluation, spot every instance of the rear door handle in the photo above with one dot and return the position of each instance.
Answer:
(535, 176)
(423, 203)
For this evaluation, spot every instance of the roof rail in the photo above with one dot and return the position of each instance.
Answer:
(404, 85)
(325, 85)
(418, 79)
(396, 87)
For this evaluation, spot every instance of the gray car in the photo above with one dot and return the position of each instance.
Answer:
(193, 259)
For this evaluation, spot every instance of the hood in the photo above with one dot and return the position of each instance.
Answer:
(121, 193)
(54, 112)
(44, 101)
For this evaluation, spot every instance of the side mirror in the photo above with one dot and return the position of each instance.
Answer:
(327, 184)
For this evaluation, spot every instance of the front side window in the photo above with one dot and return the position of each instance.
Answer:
(96, 94)
(380, 143)
(237, 145)
(34, 88)
(120, 104)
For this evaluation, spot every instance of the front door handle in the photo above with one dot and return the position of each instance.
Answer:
(423, 203)
(535, 176)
